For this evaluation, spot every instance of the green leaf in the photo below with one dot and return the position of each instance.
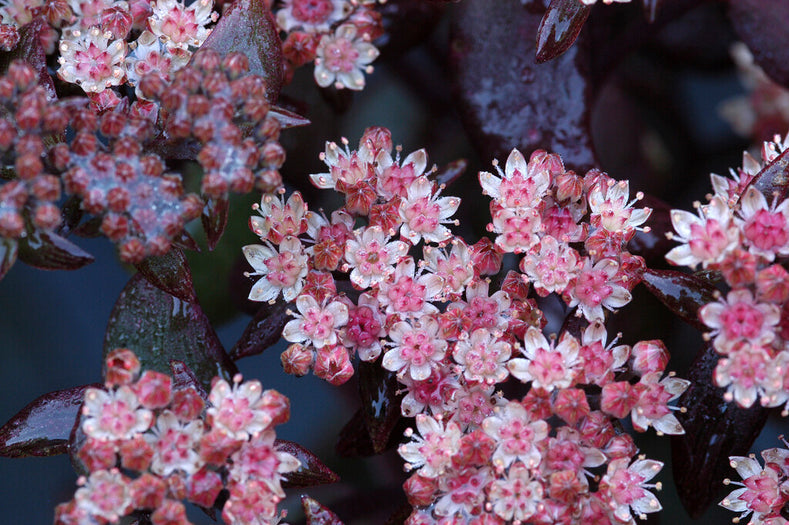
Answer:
(159, 328)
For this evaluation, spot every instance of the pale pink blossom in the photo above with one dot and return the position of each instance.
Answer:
(114, 415)
(315, 324)
(595, 288)
(175, 445)
(343, 57)
(765, 228)
(454, 268)
(600, 359)
(520, 185)
(416, 348)
(180, 26)
(424, 213)
(408, 292)
(365, 328)
(516, 435)
(740, 319)
(625, 488)
(279, 219)
(372, 256)
(436, 393)
(483, 356)
(345, 166)
(462, 493)
(761, 492)
(19, 12)
(311, 15)
(281, 271)
(706, 238)
(105, 495)
(259, 460)
(148, 54)
(652, 408)
(548, 365)
(431, 451)
(550, 265)
(394, 176)
(743, 373)
(241, 410)
(516, 495)
(517, 228)
(612, 209)
(88, 58)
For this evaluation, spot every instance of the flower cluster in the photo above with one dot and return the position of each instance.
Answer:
(743, 234)
(335, 35)
(765, 490)
(151, 442)
(421, 301)
(216, 102)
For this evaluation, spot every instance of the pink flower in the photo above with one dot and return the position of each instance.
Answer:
(595, 288)
(454, 268)
(114, 415)
(89, 59)
(652, 408)
(104, 495)
(765, 228)
(483, 356)
(625, 488)
(743, 373)
(612, 210)
(259, 460)
(372, 256)
(516, 496)
(342, 57)
(346, 168)
(364, 329)
(279, 219)
(394, 177)
(761, 492)
(705, 238)
(516, 435)
(520, 185)
(550, 265)
(150, 55)
(408, 293)
(740, 319)
(311, 15)
(175, 445)
(180, 26)
(548, 366)
(241, 410)
(424, 213)
(432, 450)
(416, 348)
(282, 271)
(317, 325)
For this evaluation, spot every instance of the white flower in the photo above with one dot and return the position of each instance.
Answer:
(311, 16)
(342, 58)
(175, 445)
(424, 213)
(89, 59)
(114, 415)
(282, 271)
(372, 256)
(706, 238)
(432, 450)
(317, 325)
(180, 26)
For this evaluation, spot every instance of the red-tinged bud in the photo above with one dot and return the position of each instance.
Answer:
(772, 284)
(486, 257)
(47, 216)
(369, 23)
(9, 37)
(419, 490)
(22, 75)
(650, 356)
(214, 184)
(376, 138)
(569, 186)
(103, 101)
(140, 11)
(216, 446)
(148, 491)
(115, 227)
(203, 487)
(117, 21)
(85, 120)
(154, 389)
(98, 454)
(46, 188)
(332, 364)
(235, 64)
(11, 224)
(299, 48)
(276, 405)
(170, 512)
(207, 60)
(136, 454)
(571, 405)
(132, 251)
(122, 367)
(596, 429)
(618, 399)
(297, 360)
(187, 404)
(621, 446)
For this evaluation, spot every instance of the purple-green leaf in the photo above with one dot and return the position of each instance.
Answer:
(8, 252)
(312, 470)
(160, 328)
(559, 27)
(774, 178)
(170, 272)
(714, 430)
(264, 330)
(214, 218)
(317, 514)
(682, 293)
(248, 26)
(507, 99)
(761, 24)
(49, 251)
(378, 389)
(43, 427)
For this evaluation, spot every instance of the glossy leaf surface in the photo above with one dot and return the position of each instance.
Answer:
(248, 26)
(169, 272)
(50, 251)
(317, 514)
(761, 24)
(264, 330)
(774, 178)
(159, 327)
(214, 219)
(559, 27)
(682, 293)
(714, 430)
(312, 470)
(288, 119)
(8, 252)
(509, 100)
(378, 389)
(43, 427)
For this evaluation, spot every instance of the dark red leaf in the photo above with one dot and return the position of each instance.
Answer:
(774, 178)
(317, 514)
(249, 27)
(378, 389)
(72, 213)
(214, 218)
(183, 377)
(714, 430)
(8, 251)
(159, 328)
(170, 272)
(263, 330)
(312, 470)
(406, 23)
(186, 242)
(451, 172)
(682, 293)
(49, 251)
(43, 427)
(354, 439)
(559, 27)
(288, 119)
(507, 99)
(31, 51)
(89, 229)
(761, 24)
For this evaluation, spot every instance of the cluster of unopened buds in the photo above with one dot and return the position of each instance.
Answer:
(151, 442)
(421, 301)
(744, 235)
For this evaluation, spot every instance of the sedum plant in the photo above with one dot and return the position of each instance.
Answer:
(496, 323)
